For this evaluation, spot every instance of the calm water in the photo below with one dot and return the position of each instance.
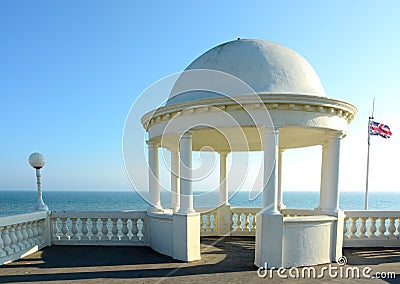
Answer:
(19, 201)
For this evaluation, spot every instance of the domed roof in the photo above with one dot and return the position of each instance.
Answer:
(267, 67)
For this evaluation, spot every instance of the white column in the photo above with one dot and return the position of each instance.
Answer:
(154, 185)
(329, 192)
(175, 189)
(223, 182)
(280, 192)
(186, 205)
(270, 183)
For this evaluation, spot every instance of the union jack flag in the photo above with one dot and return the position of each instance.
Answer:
(376, 128)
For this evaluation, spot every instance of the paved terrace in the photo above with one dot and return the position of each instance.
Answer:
(223, 260)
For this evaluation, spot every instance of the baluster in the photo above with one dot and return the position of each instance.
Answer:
(124, 229)
(382, 227)
(398, 228)
(40, 229)
(13, 238)
(25, 237)
(7, 240)
(363, 228)
(212, 221)
(141, 226)
(135, 230)
(253, 222)
(202, 223)
(37, 232)
(392, 228)
(372, 228)
(3, 253)
(34, 232)
(30, 233)
(208, 222)
(250, 222)
(247, 222)
(95, 229)
(55, 230)
(242, 222)
(104, 229)
(85, 229)
(353, 227)
(64, 229)
(234, 221)
(74, 229)
(114, 229)
(20, 238)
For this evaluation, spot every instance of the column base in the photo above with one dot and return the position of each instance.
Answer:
(337, 241)
(186, 211)
(40, 206)
(269, 240)
(153, 210)
(186, 237)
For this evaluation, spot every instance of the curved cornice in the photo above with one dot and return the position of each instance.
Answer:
(282, 102)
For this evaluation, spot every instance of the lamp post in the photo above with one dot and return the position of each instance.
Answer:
(37, 161)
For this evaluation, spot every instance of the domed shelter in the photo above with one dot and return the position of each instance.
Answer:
(251, 95)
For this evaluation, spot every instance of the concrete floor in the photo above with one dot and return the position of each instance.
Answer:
(223, 260)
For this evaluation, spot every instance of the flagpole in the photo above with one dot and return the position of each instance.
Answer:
(369, 144)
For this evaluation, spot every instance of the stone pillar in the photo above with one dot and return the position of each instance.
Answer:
(269, 222)
(154, 185)
(223, 182)
(329, 192)
(186, 222)
(186, 205)
(175, 189)
(270, 183)
(224, 211)
(280, 191)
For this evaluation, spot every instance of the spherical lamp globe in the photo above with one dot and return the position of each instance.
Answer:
(36, 160)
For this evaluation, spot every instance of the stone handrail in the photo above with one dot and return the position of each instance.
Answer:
(22, 235)
(292, 212)
(368, 228)
(100, 228)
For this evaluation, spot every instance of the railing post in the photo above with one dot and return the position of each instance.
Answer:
(48, 229)
(224, 222)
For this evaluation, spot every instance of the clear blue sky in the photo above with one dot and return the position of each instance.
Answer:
(70, 71)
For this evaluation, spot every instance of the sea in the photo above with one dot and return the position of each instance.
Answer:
(14, 202)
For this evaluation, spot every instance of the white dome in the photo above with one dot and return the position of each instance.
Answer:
(267, 67)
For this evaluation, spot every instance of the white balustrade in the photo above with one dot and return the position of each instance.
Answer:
(367, 228)
(208, 222)
(243, 221)
(100, 228)
(21, 235)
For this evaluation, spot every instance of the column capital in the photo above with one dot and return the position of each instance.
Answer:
(334, 136)
(187, 135)
(151, 143)
(173, 150)
(223, 153)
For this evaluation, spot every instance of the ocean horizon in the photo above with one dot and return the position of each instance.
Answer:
(14, 202)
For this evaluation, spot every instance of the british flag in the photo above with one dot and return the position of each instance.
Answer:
(376, 128)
